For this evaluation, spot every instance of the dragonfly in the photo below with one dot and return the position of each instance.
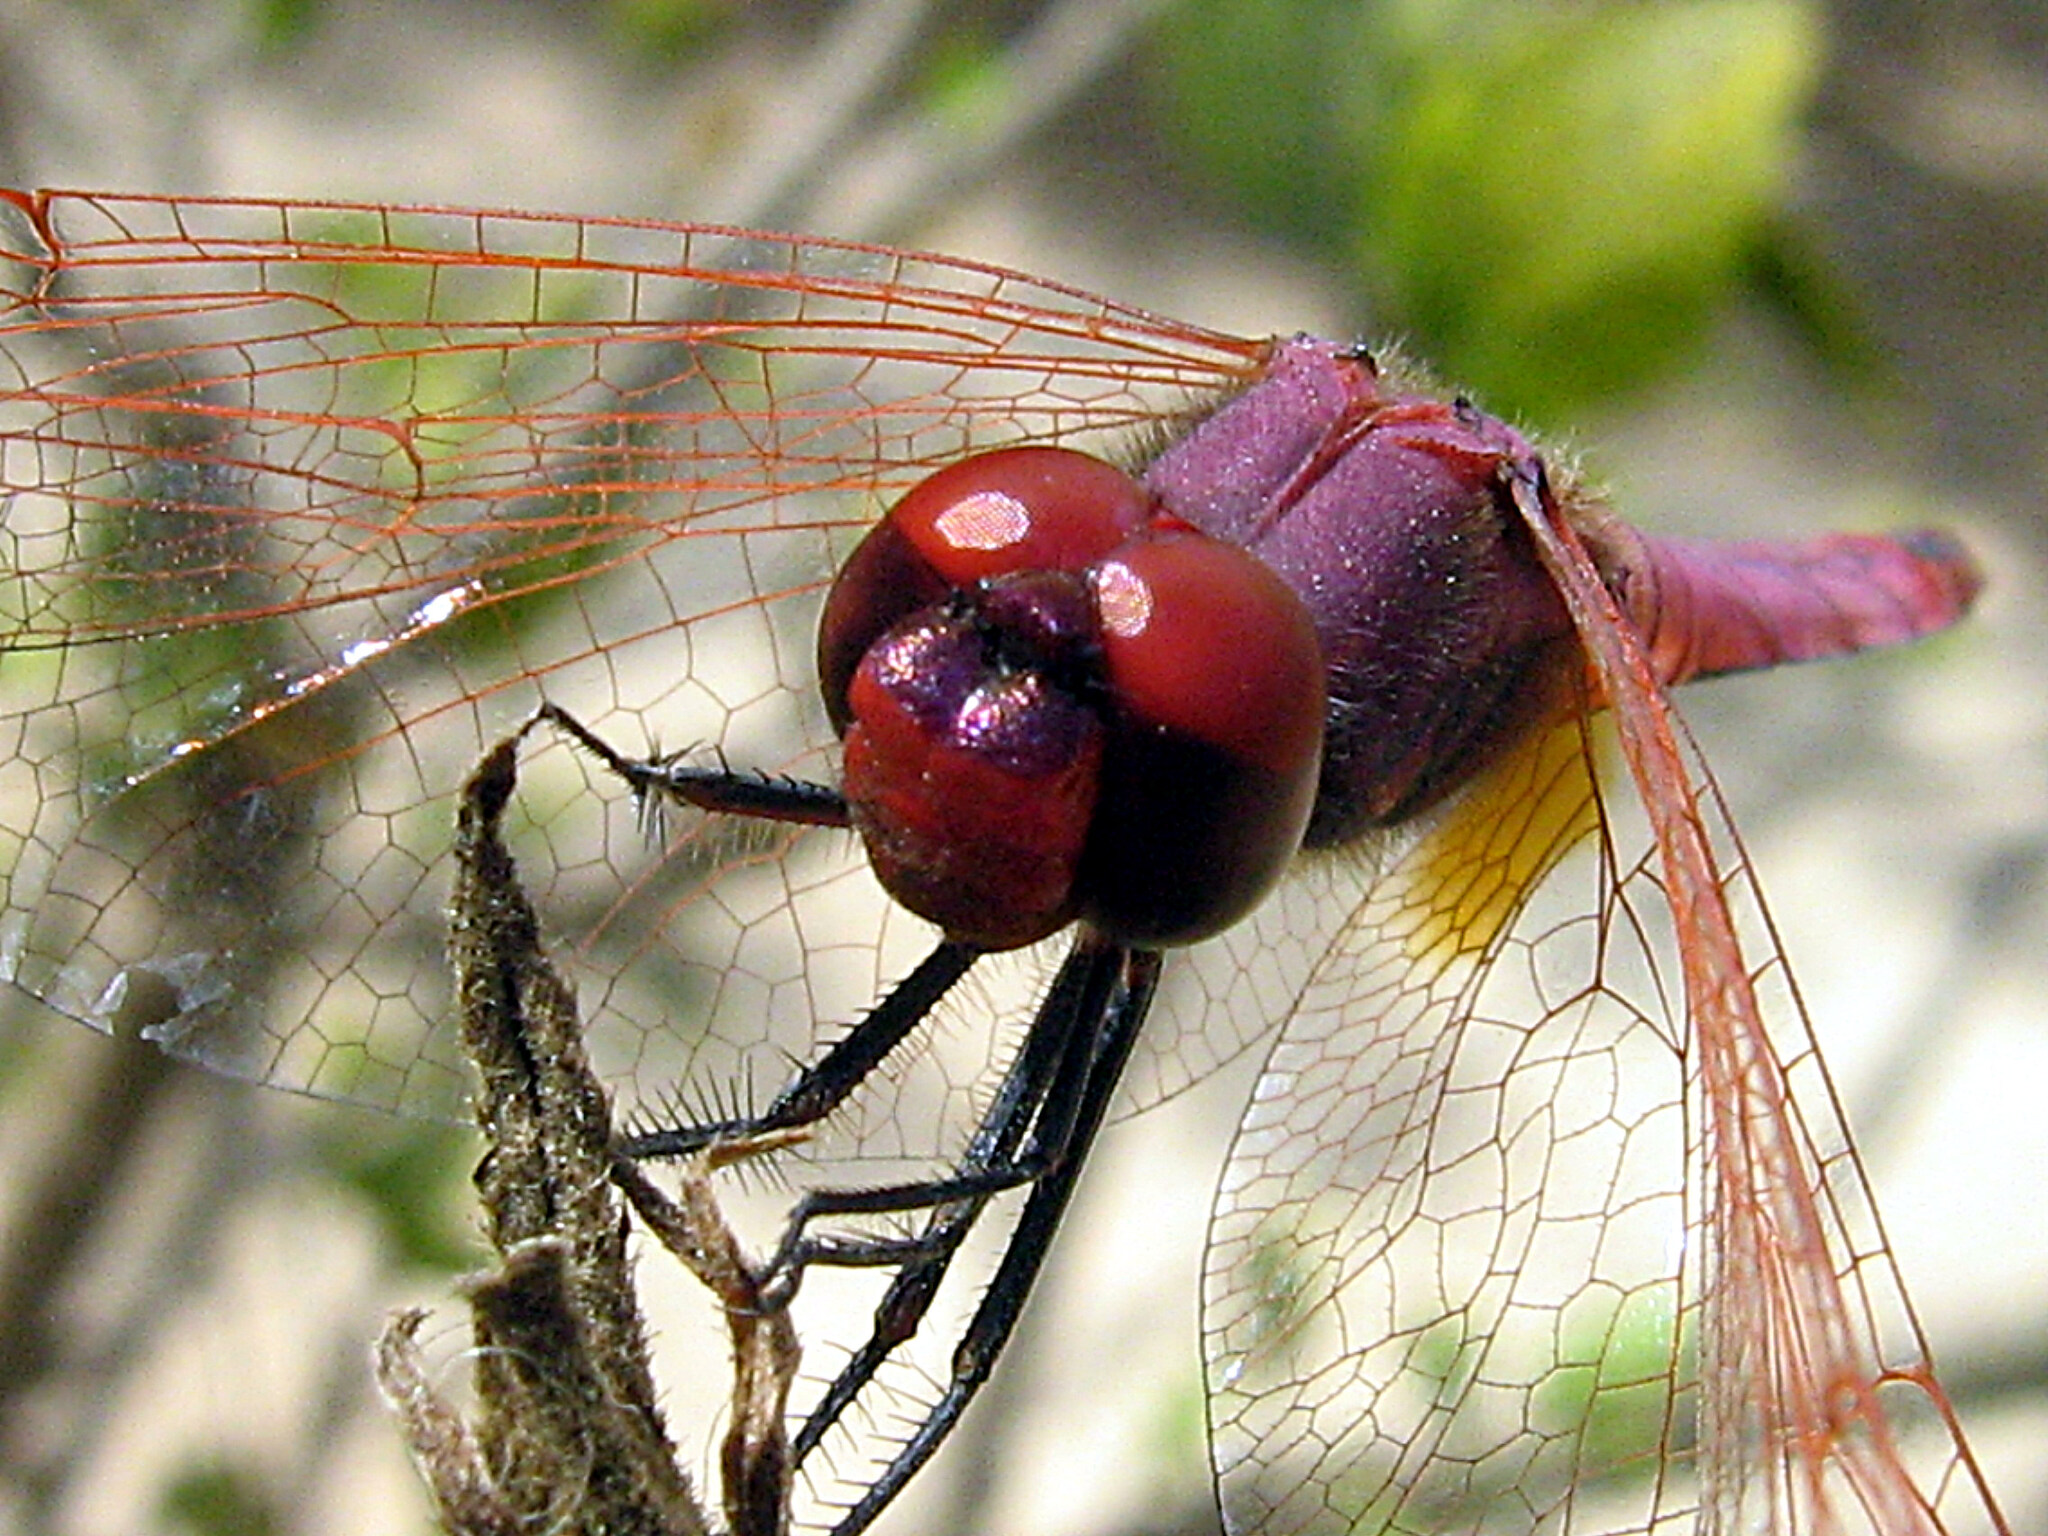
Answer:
(1543, 1214)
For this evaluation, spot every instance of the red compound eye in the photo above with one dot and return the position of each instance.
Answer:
(1016, 509)
(1056, 703)
(1021, 509)
(1211, 768)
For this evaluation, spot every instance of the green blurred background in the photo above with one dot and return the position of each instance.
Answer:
(1770, 264)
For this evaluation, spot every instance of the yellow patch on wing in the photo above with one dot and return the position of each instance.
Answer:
(1498, 839)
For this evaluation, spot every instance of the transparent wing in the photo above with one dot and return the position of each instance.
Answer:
(306, 504)
(1819, 1409)
(1544, 1217)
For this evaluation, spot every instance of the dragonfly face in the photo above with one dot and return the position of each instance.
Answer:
(309, 504)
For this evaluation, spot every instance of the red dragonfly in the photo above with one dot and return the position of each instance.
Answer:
(1543, 1215)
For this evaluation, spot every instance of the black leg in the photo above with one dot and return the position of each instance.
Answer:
(824, 1085)
(1058, 1091)
(718, 790)
(1037, 1131)
(990, 1163)
(821, 1087)
(1111, 1032)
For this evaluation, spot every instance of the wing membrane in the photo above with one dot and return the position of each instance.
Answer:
(305, 504)
(1819, 1393)
(1545, 1216)
(1413, 1272)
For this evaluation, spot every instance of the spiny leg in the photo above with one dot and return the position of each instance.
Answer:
(1037, 1130)
(1108, 1024)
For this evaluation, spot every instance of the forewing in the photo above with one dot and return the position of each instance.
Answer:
(1820, 1410)
(305, 505)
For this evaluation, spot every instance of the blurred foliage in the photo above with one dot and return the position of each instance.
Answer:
(218, 1500)
(414, 1178)
(965, 75)
(666, 31)
(655, 32)
(1549, 201)
(283, 26)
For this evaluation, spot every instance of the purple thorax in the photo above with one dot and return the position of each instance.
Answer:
(1390, 516)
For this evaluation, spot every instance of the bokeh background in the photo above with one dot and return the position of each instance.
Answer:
(1766, 265)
